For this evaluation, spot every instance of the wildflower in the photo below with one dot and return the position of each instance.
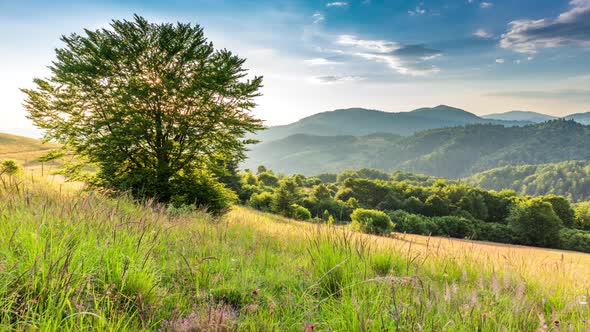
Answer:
(312, 326)
(583, 321)
(255, 292)
(556, 323)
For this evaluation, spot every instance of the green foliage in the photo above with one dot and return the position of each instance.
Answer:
(371, 221)
(202, 190)
(568, 178)
(573, 239)
(535, 223)
(9, 167)
(149, 105)
(300, 213)
(286, 195)
(582, 215)
(562, 209)
(261, 201)
(268, 179)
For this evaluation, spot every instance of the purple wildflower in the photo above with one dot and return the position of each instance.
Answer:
(556, 323)
(312, 326)
(255, 292)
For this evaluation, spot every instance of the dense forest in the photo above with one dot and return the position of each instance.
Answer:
(569, 178)
(378, 202)
(453, 152)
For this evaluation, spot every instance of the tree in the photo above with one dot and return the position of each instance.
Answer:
(562, 208)
(535, 223)
(148, 104)
(286, 195)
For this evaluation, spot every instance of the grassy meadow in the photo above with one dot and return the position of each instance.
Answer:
(72, 260)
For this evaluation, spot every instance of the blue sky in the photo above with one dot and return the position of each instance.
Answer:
(483, 56)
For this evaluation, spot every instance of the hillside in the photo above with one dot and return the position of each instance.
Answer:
(527, 116)
(583, 118)
(449, 152)
(569, 178)
(25, 150)
(360, 122)
(79, 261)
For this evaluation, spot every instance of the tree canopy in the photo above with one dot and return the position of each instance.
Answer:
(148, 104)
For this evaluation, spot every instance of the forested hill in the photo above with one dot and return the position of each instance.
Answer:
(569, 178)
(360, 121)
(449, 152)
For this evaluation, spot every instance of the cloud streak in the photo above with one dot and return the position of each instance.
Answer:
(411, 60)
(567, 94)
(570, 27)
(337, 4)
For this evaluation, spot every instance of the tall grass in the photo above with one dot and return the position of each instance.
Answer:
(72, 260)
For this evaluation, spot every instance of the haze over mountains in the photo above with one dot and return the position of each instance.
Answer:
(360, 121)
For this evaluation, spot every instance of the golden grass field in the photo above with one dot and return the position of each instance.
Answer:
(557, 269)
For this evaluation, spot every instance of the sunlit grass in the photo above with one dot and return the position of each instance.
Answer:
(72, 260)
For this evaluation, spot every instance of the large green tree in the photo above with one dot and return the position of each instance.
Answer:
(151, 105)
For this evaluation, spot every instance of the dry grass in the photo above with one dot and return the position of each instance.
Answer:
(556, 269)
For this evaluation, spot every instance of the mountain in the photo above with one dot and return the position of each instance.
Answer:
(583, 118)
(453, 152)
(24, 149)
(360, 121)
(527, 116)
(569, 178)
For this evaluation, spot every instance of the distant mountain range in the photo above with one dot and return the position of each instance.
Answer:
(453, 152)
(526, 116)
(360, 122)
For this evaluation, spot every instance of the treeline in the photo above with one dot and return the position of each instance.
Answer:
(570, 179)
(377, 202)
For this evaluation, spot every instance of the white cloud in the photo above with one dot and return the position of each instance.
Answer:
(380, 46)
(500, 60)
(485, 5)
(320, 62)
(408, 60)
(332, 79)
(318, 17)
(417, 11)
(570, 27)
(337, 4)
(481, 33)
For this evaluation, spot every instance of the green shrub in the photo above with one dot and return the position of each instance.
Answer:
(9, 167)
(535, 223)
(571, 239)
(454, 226)
(371, 221)
(494, 232)
(414, 224)
(300, 213)
(261, 201)
(202, 190)
(582, 215)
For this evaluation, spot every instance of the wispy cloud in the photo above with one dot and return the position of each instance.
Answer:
(320, 62)
(485, 5)
(500, 60)
(331, 79)
(337, 4)
(483, 34)
(417, 11)
(405, 59)
(318, 17)
(570, 27)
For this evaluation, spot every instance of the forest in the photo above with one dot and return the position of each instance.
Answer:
(376, 202)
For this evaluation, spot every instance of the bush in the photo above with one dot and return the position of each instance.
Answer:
(300, 213)
(9, 167)
(371, 221)
(494, 232)
(202, 190)
(413, 223)
(582, 215)
(535, 223)
(261, 201)
(572, 239)
(454, 226)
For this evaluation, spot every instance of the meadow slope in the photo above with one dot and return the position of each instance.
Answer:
(73, 260)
